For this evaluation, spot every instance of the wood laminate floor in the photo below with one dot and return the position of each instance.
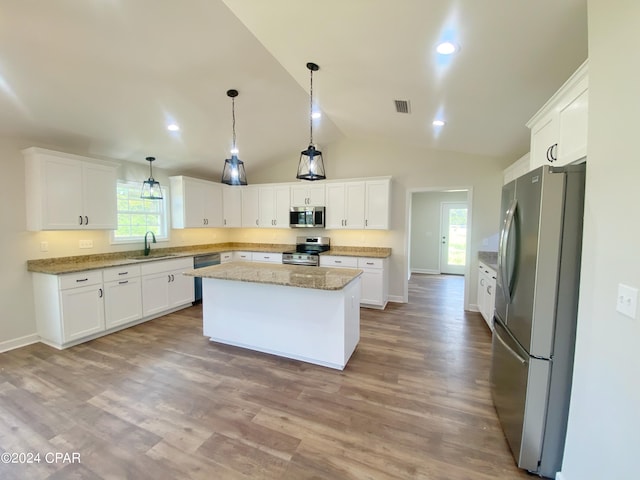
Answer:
(159, 401)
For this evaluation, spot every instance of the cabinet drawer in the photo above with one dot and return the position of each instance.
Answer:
(166, 265)
(338, 261)
(226, 257)
(80, 279)
(266, 257)
(242, 256)
(119, 273)
(370, 262)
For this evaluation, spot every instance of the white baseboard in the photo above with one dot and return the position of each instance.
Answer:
(18, 342)
(474, 308)
(428, 271)
(396, 299)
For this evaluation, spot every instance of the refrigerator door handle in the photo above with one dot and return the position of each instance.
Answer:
(515, 354)
(502, 258)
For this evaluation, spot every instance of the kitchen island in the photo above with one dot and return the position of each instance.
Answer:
(310, 314)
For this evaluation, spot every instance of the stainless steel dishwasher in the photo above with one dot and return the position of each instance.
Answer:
(200, 261)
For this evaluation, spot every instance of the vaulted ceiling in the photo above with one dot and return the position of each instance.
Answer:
(107, 76)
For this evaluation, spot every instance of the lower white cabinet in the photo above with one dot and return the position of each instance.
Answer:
(164, 287)
(122, 295)
(375, 277)
(76, 307)
(266, 257)
(242, 256)
(226, 257)
(486, 292)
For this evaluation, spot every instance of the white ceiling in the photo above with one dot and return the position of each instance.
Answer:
(106, 76)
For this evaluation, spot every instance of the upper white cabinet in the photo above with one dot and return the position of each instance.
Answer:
(69, 192)
(559, 129)
(251, 206)
(308, 195)
(232, 206)
(376, 204)
(274, 206)
(358, 204)
(195, 203)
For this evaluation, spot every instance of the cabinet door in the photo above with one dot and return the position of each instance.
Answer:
(377, 204)
(155, 293)
(544, 135)
(354, 193)
(335, 213)
(482, 286)
(372, 287)
(122, 302)
(62, 194)
(193, 199)
(573, 119)
(316, 195)
(213, 204)
(299, 195)
(181, 288)
(281, 206)
(267, 207)
(82, 312)
(250, 207)
(99, 197)
(232, 206)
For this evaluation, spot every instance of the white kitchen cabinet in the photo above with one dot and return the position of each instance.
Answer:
(250, 206)
(195, 203)
(375, 277)
(559, 128)
(376, 205)
(486, 292)
(274, 206)
(345, 205)
(164, 288)
(363, 204)
(232, 206)
(266, 257)
(242, 256)
(69, 192)
(68, 307)
(122, 295)
(305, 195)
(226, 257)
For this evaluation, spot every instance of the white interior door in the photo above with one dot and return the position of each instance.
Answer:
(453, 238)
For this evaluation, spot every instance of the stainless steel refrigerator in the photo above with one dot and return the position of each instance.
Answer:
(535, 313)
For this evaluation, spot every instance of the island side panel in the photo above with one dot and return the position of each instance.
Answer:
(316, 326)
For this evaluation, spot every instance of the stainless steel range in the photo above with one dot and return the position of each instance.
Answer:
(307, 251)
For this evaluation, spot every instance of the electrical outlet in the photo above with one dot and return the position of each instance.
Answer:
(627, 301)
(44, 246)
(86, 243)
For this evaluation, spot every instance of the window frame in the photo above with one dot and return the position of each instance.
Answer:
(136, 187)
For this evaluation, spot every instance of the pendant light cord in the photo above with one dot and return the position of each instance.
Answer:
(311, 110)
(233, 121)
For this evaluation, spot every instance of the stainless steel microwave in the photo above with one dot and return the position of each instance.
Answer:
(306, 217)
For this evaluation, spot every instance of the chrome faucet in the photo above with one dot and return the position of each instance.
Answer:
(147, 245)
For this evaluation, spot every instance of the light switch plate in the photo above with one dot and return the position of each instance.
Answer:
(86, 243)
(627, 300)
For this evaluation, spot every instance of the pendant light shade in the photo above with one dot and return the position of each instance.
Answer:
(151, 188)
(233, 172)
(311, 165)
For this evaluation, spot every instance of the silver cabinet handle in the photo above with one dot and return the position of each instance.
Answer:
(482, 282)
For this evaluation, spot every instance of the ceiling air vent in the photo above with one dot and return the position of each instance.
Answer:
(402, 106)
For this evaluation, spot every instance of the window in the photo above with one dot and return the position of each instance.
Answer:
(137, 216)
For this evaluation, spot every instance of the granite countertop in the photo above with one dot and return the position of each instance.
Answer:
(61, 265)
(490, 259)
(319, 278)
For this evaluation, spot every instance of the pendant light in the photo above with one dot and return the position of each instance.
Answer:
(233, 172)
(311, 166)
(151, 188)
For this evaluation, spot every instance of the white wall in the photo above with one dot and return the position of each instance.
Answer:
(426, 213)
(603, 439)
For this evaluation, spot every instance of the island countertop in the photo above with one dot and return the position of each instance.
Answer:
(319, 278)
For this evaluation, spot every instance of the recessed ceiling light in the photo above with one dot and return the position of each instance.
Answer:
(438, 123)
(316, 115)
(172, 127)
(446, 48)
